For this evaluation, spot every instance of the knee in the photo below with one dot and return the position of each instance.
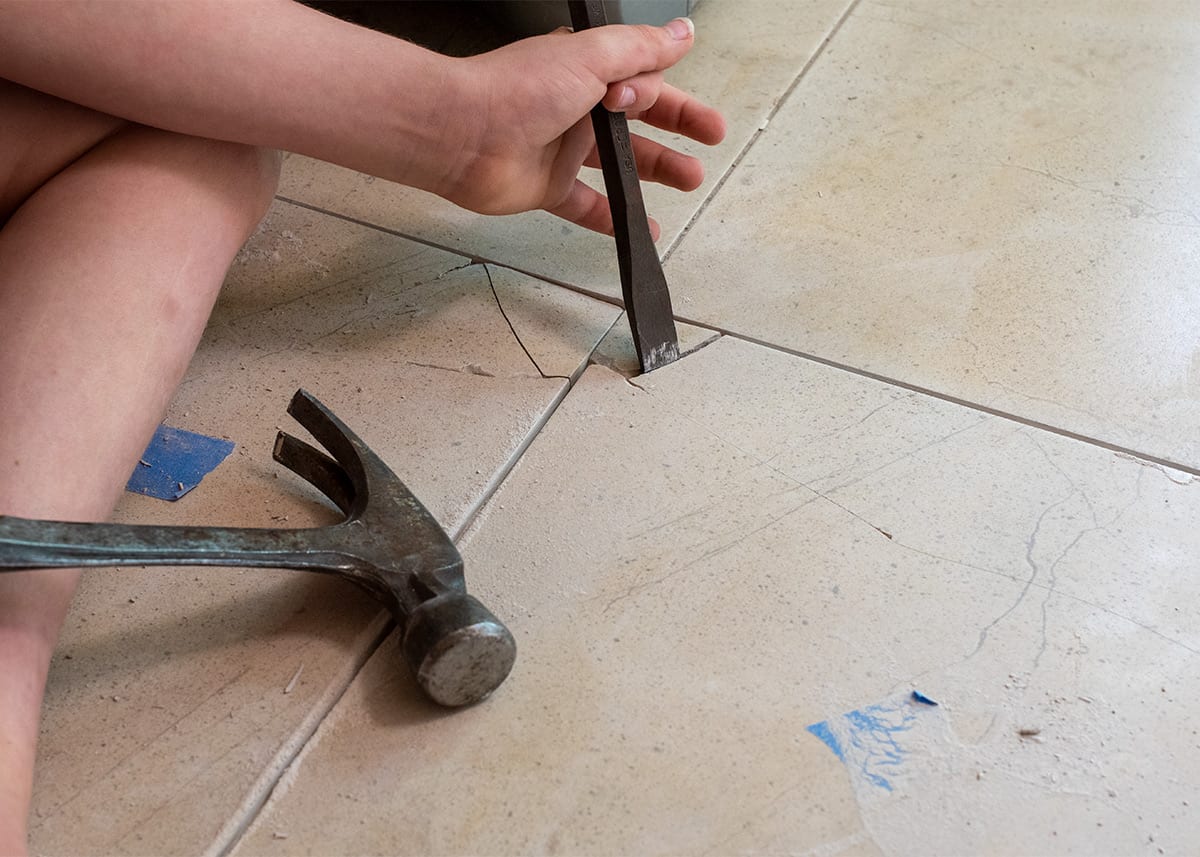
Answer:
(254, 172)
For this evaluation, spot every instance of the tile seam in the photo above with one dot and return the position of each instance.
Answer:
(865, 373)
(779, 104)
(1150, 458)
(473, 259)
(259, 795)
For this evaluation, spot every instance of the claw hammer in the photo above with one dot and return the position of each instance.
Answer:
(388, 543)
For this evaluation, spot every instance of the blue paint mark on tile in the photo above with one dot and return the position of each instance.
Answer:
(873, 741)
(822, 731)
(175, 462)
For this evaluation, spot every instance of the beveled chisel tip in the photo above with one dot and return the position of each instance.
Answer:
(660, 356)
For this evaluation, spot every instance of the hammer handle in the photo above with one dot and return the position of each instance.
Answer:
(26, 544)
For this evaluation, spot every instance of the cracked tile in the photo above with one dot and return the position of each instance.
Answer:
(177, 695)
(998, 206)
(700, 567)
(617, 351)
(741, 64)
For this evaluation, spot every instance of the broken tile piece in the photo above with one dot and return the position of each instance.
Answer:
(617, 351)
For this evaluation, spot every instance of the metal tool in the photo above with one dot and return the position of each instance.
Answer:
(388, 543)
(643, 285)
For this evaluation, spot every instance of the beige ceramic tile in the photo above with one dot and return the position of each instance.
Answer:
(169, 712)
(723, 572)
(994, 201)
(743, 63)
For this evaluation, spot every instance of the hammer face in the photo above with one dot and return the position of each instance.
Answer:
(457, 649)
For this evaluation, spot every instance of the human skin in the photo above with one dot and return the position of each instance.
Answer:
(498, 133)
(137, 152)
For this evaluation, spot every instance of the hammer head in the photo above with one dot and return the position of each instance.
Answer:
(457, 649)
(391, 545)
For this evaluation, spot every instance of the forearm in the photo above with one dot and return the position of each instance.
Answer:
(268, 73)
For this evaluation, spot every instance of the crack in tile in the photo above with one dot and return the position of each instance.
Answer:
(1030, 547)
(513, 329)
(1134, 205)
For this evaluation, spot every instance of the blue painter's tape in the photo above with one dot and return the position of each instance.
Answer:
(874, 741)
(175, 462)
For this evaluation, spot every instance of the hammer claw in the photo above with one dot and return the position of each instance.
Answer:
(344, 445)
(316, 468)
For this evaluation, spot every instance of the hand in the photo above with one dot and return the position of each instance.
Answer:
(523, 147)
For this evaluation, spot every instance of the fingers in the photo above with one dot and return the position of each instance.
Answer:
(588, 208)
(634, 95)
(675, 111)
(620, 52)
(661, 164)
(648, 98)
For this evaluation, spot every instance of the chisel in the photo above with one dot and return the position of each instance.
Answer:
(643, 285)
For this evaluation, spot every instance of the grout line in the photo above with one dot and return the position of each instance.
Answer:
(502, 472)
(600, 296)
(247, 813)
(787, 93)
(955, 400)
(358, 221)
(260, 793)
(863, 373)
(473, 258)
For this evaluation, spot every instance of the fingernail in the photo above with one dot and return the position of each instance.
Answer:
(627, 97)
(681, 28)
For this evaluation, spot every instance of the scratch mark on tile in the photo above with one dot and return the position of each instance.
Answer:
(150, 741)
(741, 536)
(925, 28)
(469, 369)
(902, 457)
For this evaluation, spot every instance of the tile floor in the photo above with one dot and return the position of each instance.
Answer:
(941, 433)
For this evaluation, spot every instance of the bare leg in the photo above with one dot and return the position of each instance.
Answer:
(108, 271)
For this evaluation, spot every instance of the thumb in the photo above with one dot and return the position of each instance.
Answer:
(621, 51)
